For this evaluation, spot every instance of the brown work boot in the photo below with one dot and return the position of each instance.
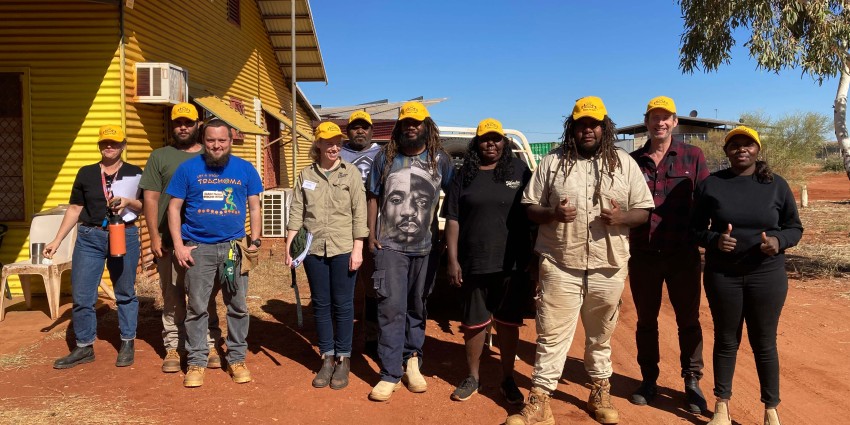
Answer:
(413, 377)
(535, 412)
(213, 359)
(194, 376)
(721, 413)
(599, 402)
(171, 362)
(383, 390)
(771, 417)
(239, 372)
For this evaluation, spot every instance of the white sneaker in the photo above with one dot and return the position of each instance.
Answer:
(413, 378)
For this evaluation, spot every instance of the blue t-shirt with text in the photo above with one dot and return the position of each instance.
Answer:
(214, 198)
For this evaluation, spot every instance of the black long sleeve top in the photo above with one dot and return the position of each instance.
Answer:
(752, 207)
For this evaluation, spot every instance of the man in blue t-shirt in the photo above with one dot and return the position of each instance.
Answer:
(404, 185)
(360, 151)
(214, 189)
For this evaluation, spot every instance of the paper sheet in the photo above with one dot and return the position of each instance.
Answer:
(127, 187)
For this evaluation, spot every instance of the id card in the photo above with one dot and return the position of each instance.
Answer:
(309, 185)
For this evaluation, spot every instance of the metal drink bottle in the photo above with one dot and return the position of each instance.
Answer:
(117, 238)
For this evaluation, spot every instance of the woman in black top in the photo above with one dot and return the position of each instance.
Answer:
(753, 219)
(92, 204)
(488, 247)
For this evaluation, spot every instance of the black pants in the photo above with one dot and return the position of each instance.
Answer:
(757, 299)
(647, 273)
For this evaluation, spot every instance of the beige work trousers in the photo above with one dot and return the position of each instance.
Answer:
(564, 294)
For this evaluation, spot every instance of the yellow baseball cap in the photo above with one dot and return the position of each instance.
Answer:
(111, 132)
(413, 110)
(327, 130)
(360, 115)
(743, 131)
(184, 110)
(489, 125)
(590, 106)
(661, 102)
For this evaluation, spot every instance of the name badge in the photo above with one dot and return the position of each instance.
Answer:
(309, 185)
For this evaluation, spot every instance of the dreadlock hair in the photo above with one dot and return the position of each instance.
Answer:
(432, 145)
(607, 153)
(472, 163)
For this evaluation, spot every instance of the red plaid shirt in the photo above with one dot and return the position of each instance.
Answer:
(672, 185)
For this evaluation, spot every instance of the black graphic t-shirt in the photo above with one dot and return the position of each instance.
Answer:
(88, 191)
(361, 159)
(494, 231)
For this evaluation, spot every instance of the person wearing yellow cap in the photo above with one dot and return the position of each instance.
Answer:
(585, 196)
(102, 193)
(329, 201)
(662, 251)
(404, 185)
(745, 217)
(360, 151)
(185, 144)
(489, 246)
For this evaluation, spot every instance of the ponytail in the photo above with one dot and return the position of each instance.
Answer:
(763, 172)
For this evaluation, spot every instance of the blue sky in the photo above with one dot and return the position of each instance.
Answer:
(526, 62)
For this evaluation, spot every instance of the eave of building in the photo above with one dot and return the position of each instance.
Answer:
(690, 121)
(278, 18)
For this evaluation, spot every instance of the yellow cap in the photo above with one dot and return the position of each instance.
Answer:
(743, 131)
(327, 130)
(360, 115)
(184, 110)
(413, 110)
(111, 132)
(590, 106)
(662, 102)
(489, 125)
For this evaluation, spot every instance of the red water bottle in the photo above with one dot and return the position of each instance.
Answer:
(117, 238)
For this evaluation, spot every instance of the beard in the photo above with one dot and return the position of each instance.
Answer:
(186, 143)
(358, 143)
(216, 163)
(412, 144)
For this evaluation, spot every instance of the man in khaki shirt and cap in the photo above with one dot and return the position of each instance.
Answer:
(585, 196)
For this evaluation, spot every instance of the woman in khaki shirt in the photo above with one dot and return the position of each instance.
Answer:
(330, 203)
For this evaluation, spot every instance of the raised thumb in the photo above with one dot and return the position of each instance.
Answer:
(763, 238)
(728, 229)
(614, 204)
(565, 201)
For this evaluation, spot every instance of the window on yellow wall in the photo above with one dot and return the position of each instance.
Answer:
(12, 187)
(233, 11)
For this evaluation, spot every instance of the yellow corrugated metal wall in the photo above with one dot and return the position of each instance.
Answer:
(70, 51)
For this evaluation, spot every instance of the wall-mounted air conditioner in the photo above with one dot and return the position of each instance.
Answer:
(161, 83)
(276, 204)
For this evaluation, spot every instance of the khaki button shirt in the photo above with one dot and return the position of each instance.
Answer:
(332, 208)
(586, 243)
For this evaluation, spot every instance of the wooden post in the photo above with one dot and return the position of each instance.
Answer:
(804, 196)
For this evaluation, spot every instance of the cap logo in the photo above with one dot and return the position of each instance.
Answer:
(183, 110)
(588, 107)
(659, 102)
(109, 132)
(490, 125)
(411, 110)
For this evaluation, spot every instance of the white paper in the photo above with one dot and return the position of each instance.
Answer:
(127, 187)
(297, 260)
(309, 185)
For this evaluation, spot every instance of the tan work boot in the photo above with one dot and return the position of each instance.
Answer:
(171, 362)
(213, 359)
(194, 376)
(535, 412)
(383, 391)
(413, 378)
(721, 414)
(239, 372)
(771, 416)
(599, 402)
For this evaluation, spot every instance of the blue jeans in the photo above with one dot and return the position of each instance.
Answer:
(403, 282)
(332, 295)
(90, 251)
(201, 281)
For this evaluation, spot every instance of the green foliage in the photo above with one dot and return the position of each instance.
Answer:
(712, 148)
(791, 141)
(833, 163)
(813, 35)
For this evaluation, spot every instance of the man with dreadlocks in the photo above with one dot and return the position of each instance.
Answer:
(585, 196)
(405, 183)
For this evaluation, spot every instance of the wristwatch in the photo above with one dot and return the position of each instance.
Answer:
(257, 242)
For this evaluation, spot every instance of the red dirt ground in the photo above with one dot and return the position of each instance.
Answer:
(813, 343)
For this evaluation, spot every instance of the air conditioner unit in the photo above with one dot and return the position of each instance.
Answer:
(276, 203)
(161, 83)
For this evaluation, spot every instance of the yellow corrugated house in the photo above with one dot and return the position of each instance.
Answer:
(68, 67)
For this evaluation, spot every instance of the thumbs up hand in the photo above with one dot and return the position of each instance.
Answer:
(727, 243)
(611, 216)
(564, 212)
(769, 244)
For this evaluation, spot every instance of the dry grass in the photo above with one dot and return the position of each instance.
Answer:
(29, 356)
(824, 252)
(65, 409)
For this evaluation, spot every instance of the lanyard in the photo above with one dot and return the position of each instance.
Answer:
(103, 184)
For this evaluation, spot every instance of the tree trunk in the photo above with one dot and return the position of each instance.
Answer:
(840, 117)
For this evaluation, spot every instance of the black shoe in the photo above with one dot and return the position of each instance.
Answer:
(125, 354)
(323, 378)
(511, 391)
(694, 396)
(466, 389)
(645, 393)
(339, 380)
(78, 355)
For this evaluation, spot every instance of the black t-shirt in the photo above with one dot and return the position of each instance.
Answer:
(494, 230)
(88, 191)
